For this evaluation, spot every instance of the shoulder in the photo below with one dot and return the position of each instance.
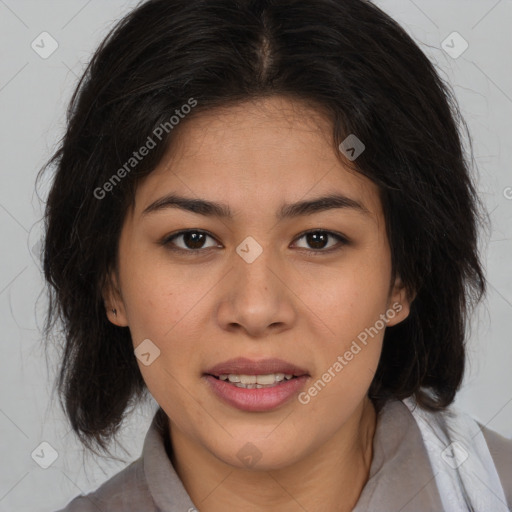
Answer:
(130, 490)
(484, 448)
(501, 452)
(125, 491)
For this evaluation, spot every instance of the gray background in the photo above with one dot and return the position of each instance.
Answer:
(34, 93)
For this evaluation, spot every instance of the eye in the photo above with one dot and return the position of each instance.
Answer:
(192, 240)
(318, 239)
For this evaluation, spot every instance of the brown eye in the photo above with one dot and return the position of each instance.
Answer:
(190, 241)
(318, 240)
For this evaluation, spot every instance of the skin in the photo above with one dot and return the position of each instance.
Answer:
(204, 308)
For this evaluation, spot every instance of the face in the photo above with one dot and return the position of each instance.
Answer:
(272, 282)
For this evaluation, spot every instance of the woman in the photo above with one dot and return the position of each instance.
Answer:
(263, 215)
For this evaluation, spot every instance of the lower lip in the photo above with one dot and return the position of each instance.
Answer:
(256, 400)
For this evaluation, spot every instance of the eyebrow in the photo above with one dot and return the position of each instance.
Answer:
(287, 211)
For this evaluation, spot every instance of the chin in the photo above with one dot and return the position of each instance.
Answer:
(259, 453)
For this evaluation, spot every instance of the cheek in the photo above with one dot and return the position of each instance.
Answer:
(167, 307)
(165, 311)
(158, 298)
(352, 296)
(352, 301)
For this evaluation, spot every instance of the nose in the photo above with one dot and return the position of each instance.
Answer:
(256, 297)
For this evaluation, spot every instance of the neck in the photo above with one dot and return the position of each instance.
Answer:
(329, 479)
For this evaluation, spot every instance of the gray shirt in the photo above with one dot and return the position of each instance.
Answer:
(400, 479)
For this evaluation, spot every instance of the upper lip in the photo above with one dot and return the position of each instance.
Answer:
(244, 366)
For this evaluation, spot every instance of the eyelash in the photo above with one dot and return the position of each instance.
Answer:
(167, 242)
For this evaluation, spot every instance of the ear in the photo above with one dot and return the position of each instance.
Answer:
(114, 305)
(399, 303)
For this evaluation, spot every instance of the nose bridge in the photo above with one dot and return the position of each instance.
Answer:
(256, 298)
(253, 265)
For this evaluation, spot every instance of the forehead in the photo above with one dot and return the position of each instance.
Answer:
(256, 155)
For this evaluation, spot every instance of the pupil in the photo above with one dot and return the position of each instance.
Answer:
(314, 239)
(193, 240)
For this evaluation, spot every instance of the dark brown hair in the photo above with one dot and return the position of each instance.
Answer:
(345, 58)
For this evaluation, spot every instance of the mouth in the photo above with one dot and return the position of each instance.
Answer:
(268, 380)
(256, 385)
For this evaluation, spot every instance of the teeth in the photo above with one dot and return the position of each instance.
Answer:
(255, 381)
(264, 379)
